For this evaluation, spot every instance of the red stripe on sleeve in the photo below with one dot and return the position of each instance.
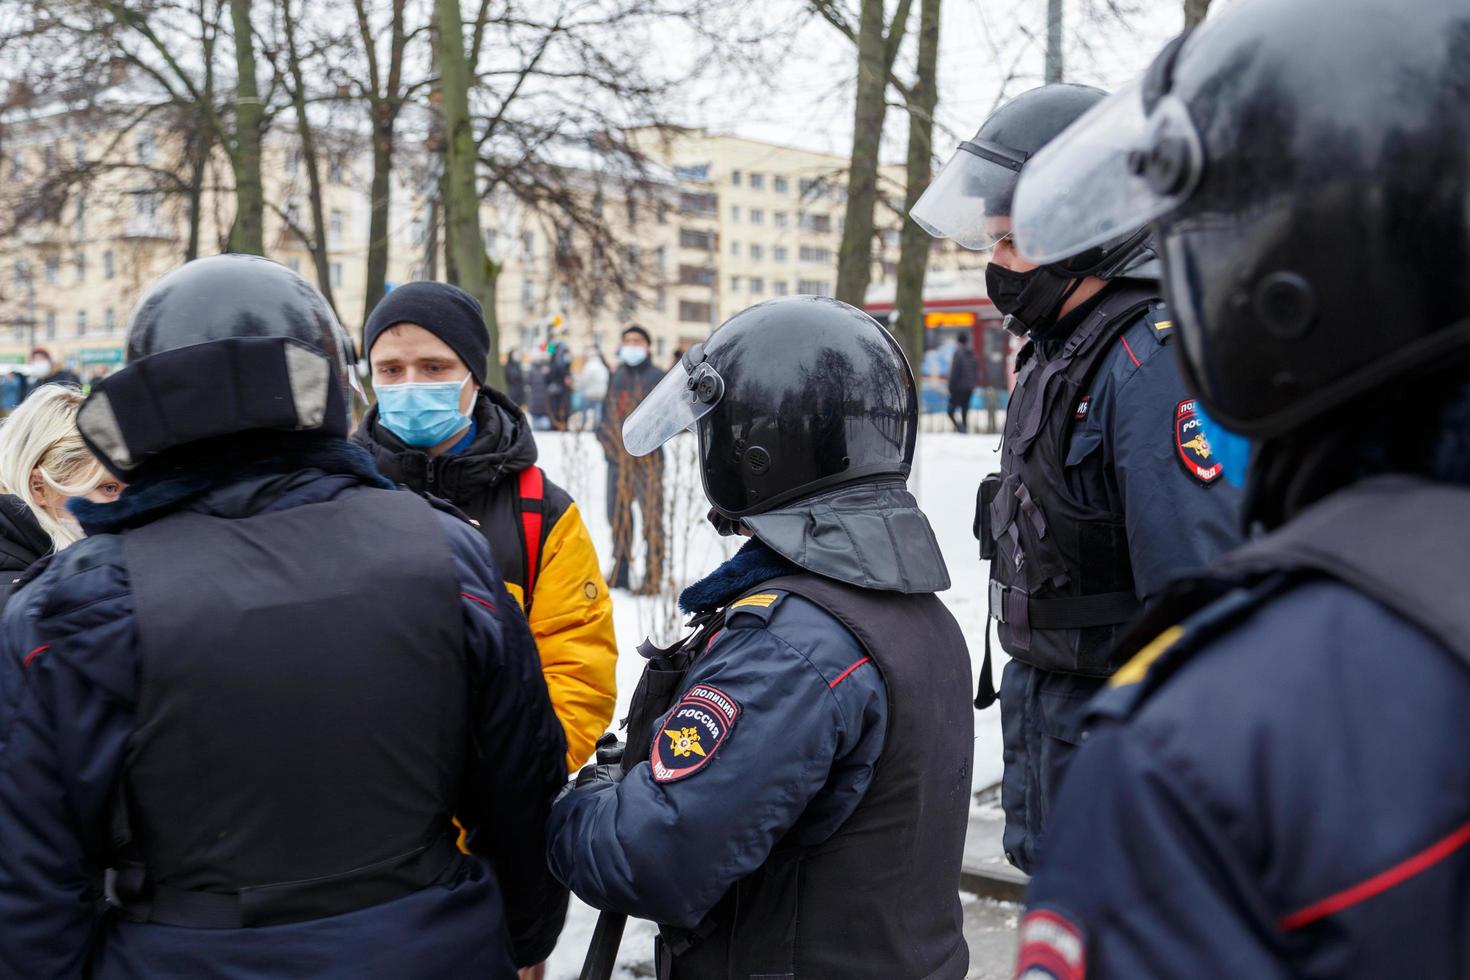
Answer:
(33, 654)
(1131, 355)
(475, 598)
(843, 676)
(1379, 883)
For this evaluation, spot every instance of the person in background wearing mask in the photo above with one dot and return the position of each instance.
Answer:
(439, 429)
(632, 479)
(43, 371)
(44, 464)
(1107, 489)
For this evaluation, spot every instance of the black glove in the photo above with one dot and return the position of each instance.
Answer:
(607, 769)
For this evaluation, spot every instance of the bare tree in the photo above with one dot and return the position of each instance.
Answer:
(878, 42)
(248, 233)
(914, 241)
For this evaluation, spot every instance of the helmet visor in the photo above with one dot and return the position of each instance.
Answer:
(969, 195)
(686, 394)
(1110, 173)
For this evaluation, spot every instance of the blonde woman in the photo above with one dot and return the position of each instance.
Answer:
(43, 464)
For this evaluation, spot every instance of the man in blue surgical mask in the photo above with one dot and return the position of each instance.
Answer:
(632, 479)
(439, 429)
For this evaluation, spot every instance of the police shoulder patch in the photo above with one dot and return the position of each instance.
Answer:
(692, 733)
(1051, 945)
(1192, 445)
(1160, 319)
(761, 605)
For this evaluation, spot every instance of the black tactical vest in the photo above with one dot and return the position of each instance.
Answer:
(302, 719)
(1061, 581)
(880, 898)
(1398, 539)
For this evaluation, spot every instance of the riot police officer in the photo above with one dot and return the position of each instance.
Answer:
(1275, 785)
(246, 719)
(795, 787)
(1106, 489)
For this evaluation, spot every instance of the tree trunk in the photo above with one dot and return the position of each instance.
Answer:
(248, 233)
(1054, 64)
(854, 256)
(914, 242)
(320, 244)
(1194, 12)
(377, 250)
(464, 245)
(200, 144)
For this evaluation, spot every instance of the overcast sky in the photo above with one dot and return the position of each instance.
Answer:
(989, 49)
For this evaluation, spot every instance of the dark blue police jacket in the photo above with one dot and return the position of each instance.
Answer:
(66, 720)
(793, 767)
(1277, 787)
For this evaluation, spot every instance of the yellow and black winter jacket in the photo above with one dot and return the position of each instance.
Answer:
(542, 547)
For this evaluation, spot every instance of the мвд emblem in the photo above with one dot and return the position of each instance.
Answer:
(1193, 445)
(691, 734)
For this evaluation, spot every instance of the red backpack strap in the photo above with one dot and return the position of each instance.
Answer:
(531, 487)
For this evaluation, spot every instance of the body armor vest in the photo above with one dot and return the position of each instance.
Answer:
(879, 898)
(1061, 581)
(302, 719)
(1388, 537)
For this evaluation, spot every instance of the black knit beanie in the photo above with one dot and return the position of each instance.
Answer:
(447, 312)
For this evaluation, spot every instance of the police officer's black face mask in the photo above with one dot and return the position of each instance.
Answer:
(1030, 300)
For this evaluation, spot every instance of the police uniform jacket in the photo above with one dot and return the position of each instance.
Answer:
(74, 694)
(1275, 786)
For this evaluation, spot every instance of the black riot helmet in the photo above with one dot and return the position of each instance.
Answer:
(219, 346)
(1305, 165)
(790, 397)
(976, 186)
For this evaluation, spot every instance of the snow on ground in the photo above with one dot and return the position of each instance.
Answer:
(946, 475)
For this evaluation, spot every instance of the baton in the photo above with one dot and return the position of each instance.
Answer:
(602, 953)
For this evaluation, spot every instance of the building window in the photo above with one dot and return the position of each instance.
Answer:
(660, 259)
(334, 229)
(735, 284)
(735, 213)
(660, 299)
(813, 287)
(690, 312)
(492, 242)
(564, 296)
(81, 263)
(782, 185)
(48, 159)
(703, 204)
(528, 246)
(735, 178)
(109, 321)
(757, 286)
(696, 275)
(661, 213)
(22, 273)
(757, 216)
(735, 248)
(108, 269)
(51, 325)
(693, 238)
(294, 264)
(335, 274)
(147, 147)
(81, 218)
(757, 252)
(335, 167)
(809, 253)
(528, 297)
(53, 269)
(293, 162)
(821, 223)
(17, 165)
(81, 323)
(779, 218)
(757, 182)
(779, 253)
(779, 287)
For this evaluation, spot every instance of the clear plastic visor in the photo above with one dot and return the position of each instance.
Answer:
(682, 398)
(969, 194)
(1107, 175)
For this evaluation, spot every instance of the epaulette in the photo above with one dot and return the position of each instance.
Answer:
(1162, 656)
(1161, 320)
(761, 605)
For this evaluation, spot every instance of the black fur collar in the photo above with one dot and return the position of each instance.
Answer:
(750, 566)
